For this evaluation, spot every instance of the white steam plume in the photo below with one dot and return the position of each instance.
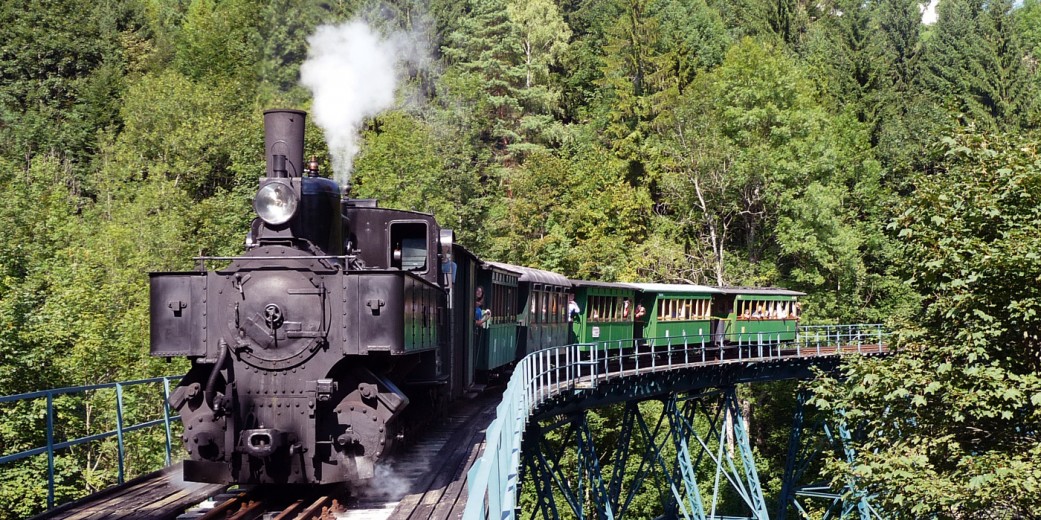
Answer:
(351, 73)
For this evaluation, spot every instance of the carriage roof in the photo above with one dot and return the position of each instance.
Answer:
(529, 274)
(674, 288)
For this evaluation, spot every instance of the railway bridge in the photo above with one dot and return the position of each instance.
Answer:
(605, 431)
(679, 430)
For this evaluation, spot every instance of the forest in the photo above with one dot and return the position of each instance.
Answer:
(885, 165)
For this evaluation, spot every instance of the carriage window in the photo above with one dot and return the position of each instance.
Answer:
(596, 308)
(510, 311)
(758, 309)
(409, 246)
(500, 311)
(503, 306)
(683, 309)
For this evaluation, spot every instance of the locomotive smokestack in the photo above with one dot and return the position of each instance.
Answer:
(284, 136)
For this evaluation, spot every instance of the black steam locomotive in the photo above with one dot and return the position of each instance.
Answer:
(307, 350)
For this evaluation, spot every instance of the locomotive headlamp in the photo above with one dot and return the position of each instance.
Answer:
(276, 203)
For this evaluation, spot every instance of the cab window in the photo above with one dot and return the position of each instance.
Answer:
(408, 242)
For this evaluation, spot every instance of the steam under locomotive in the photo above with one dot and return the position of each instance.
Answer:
(344, 324)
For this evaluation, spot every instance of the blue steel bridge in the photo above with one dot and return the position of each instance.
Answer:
(682, 431)
(678, 432)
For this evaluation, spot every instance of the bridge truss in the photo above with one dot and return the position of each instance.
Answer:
(678, 430)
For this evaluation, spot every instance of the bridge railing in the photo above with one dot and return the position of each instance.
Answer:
(55, 410)
(493, 481)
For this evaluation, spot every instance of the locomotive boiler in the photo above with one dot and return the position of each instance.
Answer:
(311, 351)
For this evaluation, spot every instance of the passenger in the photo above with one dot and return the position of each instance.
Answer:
(745, 315)
(596, 315)
(573, 310)
(641, 311)
(625, 308)
(481, 315)
(796, 310)
(758, 314)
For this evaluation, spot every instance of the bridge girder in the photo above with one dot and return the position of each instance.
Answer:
(695, 450)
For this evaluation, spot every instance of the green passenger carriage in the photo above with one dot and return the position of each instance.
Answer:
(542, 320)
(606, 314)
(752, 315)
(496, 338)
(671, 314)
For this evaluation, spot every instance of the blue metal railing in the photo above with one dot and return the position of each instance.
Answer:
(493, 482)
(119, 432)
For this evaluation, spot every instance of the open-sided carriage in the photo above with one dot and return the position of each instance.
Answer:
(757, 314)
(606, 314)
(674, 314)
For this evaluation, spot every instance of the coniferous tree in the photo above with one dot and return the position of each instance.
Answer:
(482, 54)
(908, 119)
(631, 77)
(899, 22)
(846, 46)
(974, 64)
(543, 37)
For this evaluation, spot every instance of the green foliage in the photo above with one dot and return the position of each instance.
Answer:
(217, 40)
(953, 420)
(573, 214)
(188, 133)
(484, 53)
(402, 167)
(63, 64)
(754, 164)
(1028, 26)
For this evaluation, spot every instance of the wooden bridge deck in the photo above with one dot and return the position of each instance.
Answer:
(156, 496)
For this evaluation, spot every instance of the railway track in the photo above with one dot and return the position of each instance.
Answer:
(428, 479)
(261, 502)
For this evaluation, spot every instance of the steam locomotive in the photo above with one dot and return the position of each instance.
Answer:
(344, 324)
